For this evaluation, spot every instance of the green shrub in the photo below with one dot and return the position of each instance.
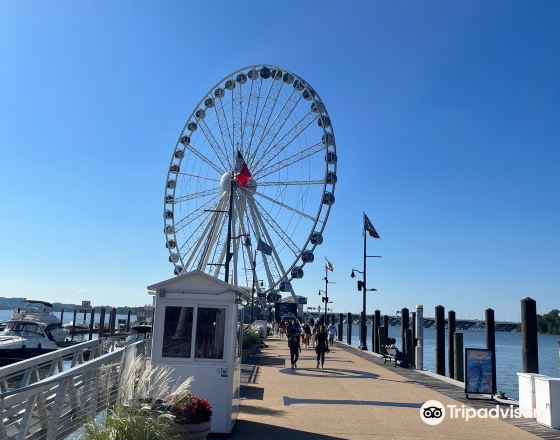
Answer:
(132, 423)
(251, 337)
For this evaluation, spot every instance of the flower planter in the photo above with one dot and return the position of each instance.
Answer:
(196, 431)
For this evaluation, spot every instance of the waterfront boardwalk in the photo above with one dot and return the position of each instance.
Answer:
(354, 397)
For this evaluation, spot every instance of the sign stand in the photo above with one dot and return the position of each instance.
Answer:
(479, 373)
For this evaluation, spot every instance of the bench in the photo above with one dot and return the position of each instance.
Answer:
(392, 353)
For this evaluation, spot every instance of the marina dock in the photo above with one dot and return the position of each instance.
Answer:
(356, 396)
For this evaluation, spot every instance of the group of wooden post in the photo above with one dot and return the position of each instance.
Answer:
(412, 337)
(102, 329)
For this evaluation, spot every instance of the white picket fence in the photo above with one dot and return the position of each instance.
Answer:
(57, 405)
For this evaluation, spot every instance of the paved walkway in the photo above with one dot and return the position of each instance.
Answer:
(352, 398)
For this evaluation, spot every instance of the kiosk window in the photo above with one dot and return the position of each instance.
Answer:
(177, 332)
(210, 332)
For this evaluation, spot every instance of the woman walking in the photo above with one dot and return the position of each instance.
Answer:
(322, 345)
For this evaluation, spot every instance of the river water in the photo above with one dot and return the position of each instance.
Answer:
(508, 353)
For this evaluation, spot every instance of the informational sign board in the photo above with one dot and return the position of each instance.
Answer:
(302, 300)
(284, 309)
(479, 372)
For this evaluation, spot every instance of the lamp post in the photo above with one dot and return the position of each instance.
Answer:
(363, 287)
(325, 299)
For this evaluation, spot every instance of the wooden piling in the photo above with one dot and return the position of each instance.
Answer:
(451, 342)
(386, 327)
(74, 323)
(529, 338)
(405, 324)
(349, 328)
(340, 326)
(381, 338)
(375, 331)
(128, 321)
(85, 315)
(408, 342)
(112, 322)
(62, 316)
(419, 352)
(440, 340)
(102, 322)
(91, 322)
(413, 327)
(458, 366)
(490, 328)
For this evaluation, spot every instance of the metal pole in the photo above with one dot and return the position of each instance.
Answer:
(386, 326)
(230, 211)
(326, 293)
(253, 289)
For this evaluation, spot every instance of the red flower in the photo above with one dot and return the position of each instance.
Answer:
(197, 411)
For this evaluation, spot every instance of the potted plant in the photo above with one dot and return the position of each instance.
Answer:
(193, 413)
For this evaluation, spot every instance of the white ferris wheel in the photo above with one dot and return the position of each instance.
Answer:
(251, 181)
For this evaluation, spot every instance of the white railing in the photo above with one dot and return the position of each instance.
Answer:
(23, 373)
(55, 407)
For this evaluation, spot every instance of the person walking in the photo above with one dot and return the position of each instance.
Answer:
(331, 330)
(306, 335)
(322, 346)
(295, 348)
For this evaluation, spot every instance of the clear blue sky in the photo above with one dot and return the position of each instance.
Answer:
(447, 117)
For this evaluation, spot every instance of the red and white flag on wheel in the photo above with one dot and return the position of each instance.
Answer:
(242, 173)
(368, 226)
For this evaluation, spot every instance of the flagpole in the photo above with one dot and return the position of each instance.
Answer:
(230, 211)
(363, 327)
(253, 289)
(326, 292)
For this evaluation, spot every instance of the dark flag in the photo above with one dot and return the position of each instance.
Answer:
(368, 226)
(264, 248)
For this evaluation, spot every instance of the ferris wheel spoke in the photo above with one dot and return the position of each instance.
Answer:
(223, 125)
(290, 160)
(277, 229)
(291, 135)
(293, 182)
(283, 205)
(250, 115)
(215, 230)
(266, 111)
(212, 215)
(241, 210)
(195, 176)
(202, 222)
(193, 215)
(197, 195)
(237, 117)
(257, 233)
(256, 212)
(204, 159)
(278, 123)
(222, 157)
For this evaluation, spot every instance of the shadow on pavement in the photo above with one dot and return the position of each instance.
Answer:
(245, 429)
(294, 401)
(338, 373)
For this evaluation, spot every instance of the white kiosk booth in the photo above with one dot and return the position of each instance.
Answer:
(198, 330)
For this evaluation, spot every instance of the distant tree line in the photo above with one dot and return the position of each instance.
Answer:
(549, 322)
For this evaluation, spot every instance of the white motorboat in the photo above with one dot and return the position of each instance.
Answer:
(23, 340)
(41, 312)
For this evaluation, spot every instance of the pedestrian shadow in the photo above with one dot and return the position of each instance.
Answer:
(335, 359)
(339, 373)
(261, 411)
(295, 401)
